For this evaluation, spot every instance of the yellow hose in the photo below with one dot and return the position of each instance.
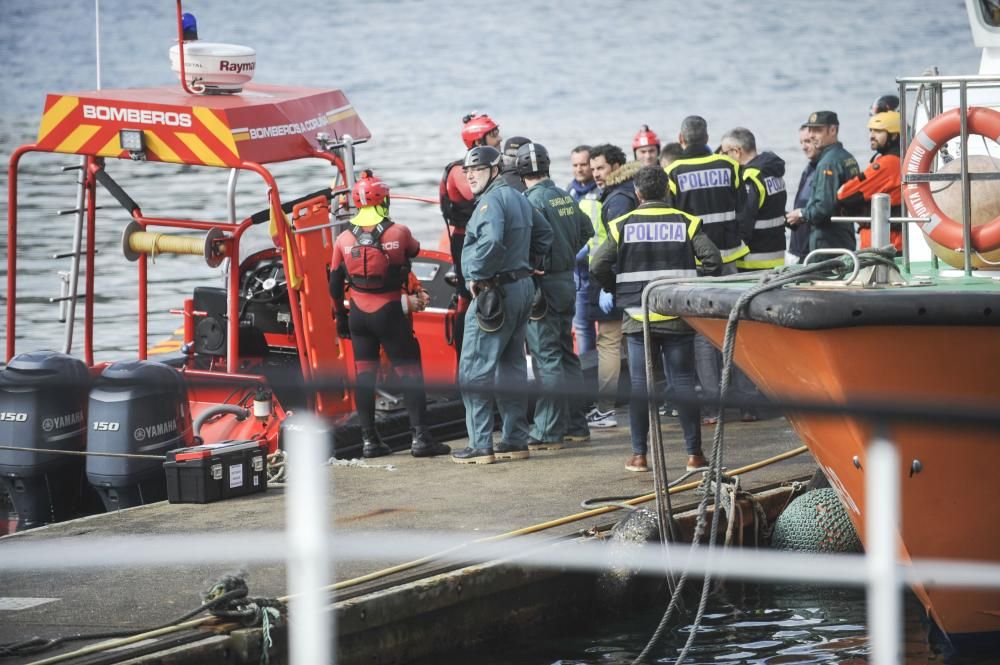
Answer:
(553, 523)
(146, 242)
(418, 562)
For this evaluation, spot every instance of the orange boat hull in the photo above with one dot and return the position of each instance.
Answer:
(948, 510)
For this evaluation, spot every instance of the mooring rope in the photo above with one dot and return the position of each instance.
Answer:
(772, 280)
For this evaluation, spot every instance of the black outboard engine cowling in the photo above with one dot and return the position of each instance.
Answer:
(138, 407)
(43, 402)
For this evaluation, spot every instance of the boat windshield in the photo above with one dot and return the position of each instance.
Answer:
(990, 10)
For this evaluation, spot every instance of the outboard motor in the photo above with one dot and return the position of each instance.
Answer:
(43, 402)
(137, 407)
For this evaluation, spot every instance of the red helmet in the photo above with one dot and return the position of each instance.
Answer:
(369, 191)
(644, 137)
(477, 125)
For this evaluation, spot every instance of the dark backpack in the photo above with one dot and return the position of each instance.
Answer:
(368, 266)
(456, 213)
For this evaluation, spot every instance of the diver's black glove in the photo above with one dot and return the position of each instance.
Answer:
(343, 326)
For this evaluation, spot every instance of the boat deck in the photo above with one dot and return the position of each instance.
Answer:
(395, 492)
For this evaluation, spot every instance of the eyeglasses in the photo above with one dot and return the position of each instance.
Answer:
(730, 150)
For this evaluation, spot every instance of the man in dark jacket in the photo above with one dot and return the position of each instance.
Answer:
(798, 242)
(614, 177)
(710, 187)
(835, 167)
(656, 239)
(763, 175)
(583, 189)
(763, 227)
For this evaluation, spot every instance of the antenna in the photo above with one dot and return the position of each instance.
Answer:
(97, 38)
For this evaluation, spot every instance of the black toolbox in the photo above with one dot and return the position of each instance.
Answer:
(215, 471)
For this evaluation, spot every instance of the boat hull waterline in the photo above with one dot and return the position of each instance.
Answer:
(946, 512)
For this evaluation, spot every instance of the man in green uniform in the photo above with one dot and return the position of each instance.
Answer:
(550, 328)
(506, 241)
(834, 167)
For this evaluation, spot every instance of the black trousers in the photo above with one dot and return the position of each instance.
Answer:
(386, 328)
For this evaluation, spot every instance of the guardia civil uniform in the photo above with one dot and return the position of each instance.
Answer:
(550, 338)
(504, 240)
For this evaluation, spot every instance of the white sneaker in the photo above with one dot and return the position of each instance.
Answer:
(602, 419)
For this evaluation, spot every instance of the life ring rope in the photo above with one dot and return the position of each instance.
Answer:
(919, 158)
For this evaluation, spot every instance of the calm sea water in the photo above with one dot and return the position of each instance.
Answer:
(745, 624)
(561, 73)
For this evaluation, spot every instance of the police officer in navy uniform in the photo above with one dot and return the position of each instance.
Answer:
(764, 230)
(506, 242)
(710, 186)
(373, 257)
(764, 178)
(656, 240)
(550, 328)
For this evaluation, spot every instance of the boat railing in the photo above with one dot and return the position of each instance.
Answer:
(310, 547)
(929, 93)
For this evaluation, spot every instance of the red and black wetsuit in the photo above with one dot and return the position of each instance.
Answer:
(377, 320)
(457, 205)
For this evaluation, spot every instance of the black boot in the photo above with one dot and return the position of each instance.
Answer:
(372, 445)
(425, 446)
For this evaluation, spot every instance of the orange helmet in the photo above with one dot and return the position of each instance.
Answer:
(644, 137)
(475, 127)
(369, 191)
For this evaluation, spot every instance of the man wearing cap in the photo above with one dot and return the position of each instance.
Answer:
(508, 169)
(834, 167)
(550, 328)
(506, 242)
(881, 177)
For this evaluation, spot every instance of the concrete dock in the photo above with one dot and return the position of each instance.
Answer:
(397, 492)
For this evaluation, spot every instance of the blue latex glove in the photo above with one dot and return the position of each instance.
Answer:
(581, 256)
(606, 301)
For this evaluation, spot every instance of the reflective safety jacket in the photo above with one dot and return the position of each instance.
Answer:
(710, 186)
(653, 241)
(617, 198)
(591, 207)
(764, 178)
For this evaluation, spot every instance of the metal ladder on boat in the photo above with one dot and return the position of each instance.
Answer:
(70, 280)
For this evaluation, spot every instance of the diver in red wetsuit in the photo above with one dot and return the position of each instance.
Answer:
(373, 257)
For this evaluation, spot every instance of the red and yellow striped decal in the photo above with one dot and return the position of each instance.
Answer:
(207, 141)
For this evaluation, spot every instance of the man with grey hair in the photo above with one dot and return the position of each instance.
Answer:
(763, 175)
(764, 224)
(710, 186)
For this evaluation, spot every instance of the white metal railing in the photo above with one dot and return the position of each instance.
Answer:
(307, 547)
